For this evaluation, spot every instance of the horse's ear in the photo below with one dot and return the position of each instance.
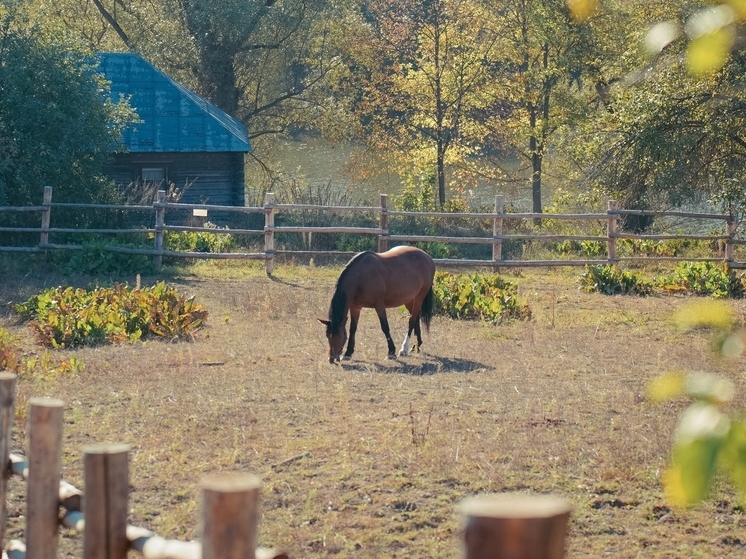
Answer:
(324, 322)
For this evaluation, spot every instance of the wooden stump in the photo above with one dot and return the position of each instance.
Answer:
(230, 515)
(44, 471)
(515, 526)
(105, 501)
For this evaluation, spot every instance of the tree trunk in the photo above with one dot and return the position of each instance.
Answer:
(441, 174)
(536, 160)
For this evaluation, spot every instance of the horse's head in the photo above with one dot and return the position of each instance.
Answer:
(337, 338)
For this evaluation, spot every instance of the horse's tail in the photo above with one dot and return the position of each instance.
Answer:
(427, 309)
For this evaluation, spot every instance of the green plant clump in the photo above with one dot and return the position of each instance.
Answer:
(478, 296)
(97, 257)
(610, 280)
(68, 317)
(199, 241)
(704, 278)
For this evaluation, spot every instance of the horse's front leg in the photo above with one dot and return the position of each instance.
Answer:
(381, 310)
(354, 317)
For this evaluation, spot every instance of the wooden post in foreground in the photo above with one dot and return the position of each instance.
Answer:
(46, 217)
(230, 516)
(515, 526)
(383, 224)
(105, 501)
(269, 233)
(44, 472)
(7, 396)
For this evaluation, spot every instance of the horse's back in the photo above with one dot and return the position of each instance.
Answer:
(395, 277)
(413, 261)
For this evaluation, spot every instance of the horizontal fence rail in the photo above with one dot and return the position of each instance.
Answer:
(271, 210)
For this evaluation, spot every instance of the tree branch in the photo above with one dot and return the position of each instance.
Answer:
(113, 22)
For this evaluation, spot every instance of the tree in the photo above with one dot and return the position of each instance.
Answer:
(550, 65)
(415, 80)
(57, 125)
(672, 136)
(259, 60)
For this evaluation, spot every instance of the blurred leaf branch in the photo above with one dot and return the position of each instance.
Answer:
(708, 438)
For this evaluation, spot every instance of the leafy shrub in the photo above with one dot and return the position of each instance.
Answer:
(610, 280)
(199, 241)
(589, 249)
(704, 278)
(68, 317)
(478, 296)
(97, 258)
(14, 360)
(668, 247)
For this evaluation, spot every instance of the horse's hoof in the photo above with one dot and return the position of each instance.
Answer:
(392, 356)
(346, 357)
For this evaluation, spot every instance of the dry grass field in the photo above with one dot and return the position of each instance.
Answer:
(370, 458)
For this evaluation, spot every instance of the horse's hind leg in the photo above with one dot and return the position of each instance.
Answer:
(414, 326)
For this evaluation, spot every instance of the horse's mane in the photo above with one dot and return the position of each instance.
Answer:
(338, 306)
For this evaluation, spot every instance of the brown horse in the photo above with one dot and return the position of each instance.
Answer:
(400, 276)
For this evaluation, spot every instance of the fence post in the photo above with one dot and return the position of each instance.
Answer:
(730, 230)
(611, 230)
(46, 217)
(383, 224)
(497, 231)
(269, 233)
(7, 395)
(105, 501)
(160, 220)
(230, 515)
(515, 526)
(44, 471)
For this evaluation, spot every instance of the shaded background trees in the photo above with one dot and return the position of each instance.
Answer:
(520, 97)
(57, 125)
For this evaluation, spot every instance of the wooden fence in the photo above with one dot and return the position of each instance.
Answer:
(230, 501)
(271, 209)
(496, 526)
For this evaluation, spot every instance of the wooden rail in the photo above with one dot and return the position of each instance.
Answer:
(271, 209)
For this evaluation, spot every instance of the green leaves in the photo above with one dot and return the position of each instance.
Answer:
(478, 296)
(67, 317)
(610, 280)
(57, 125)
(707, 278)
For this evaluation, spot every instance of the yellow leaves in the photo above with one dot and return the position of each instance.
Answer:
(666, 387)
(709, 53)
(581, 10)
(701, 386)
(708, 314)
(738, 7)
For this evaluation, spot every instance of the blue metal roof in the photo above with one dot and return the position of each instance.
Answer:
(174, 118)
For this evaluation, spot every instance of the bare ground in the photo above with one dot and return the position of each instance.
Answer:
(370, 458)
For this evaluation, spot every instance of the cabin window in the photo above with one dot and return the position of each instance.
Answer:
(153, 174)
